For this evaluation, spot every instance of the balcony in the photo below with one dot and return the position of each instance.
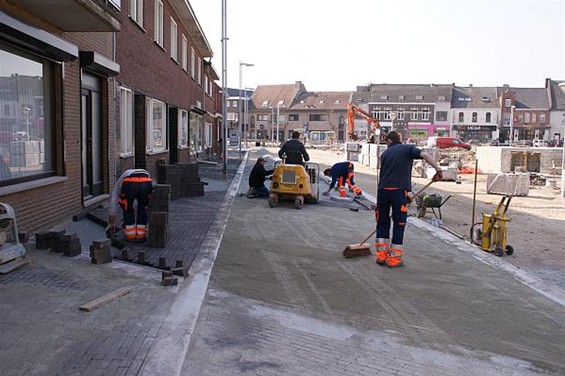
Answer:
(75, 15)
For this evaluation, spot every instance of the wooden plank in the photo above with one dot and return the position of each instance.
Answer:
(90, 306)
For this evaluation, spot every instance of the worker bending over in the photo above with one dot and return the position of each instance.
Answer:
(342, 173)
(132, 191)
(392, 194)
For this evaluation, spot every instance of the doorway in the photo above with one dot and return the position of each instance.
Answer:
(91, 137)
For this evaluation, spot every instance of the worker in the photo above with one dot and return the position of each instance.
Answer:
(257, 179)
(294, 150)
(342, 173)
(392, 193)
(131, 192)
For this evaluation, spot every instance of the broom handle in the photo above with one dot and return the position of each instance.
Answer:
(423, 188)
(416, 194)
(371, 234)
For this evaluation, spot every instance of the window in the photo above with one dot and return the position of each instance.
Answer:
(527, 117)
(184, 52)
(265, 103)
(534, 117)
(281, 102)
(318, 117)
(506, 118)
(419, 97)
(262, 117)
(401, 97)
(508, 102)
(156, 126)
(426, 115)
(196, 126)
(136, 11)
(400, 114)
(192, 62)
(126, 122)
(293, 117)
(159, 16)
(384, 97)
(542, 118)
(488, 117)
(461, 118)
(414, 114)
(199, 70)
(183, 129)
(174, 40)
(441, 98)
(26, 145)
(441, 115)
(474, 117)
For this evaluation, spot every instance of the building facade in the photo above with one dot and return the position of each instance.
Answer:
(57, 117)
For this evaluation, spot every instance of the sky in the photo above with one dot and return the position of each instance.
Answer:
(333, 45)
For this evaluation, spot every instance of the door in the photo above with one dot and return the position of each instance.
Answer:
(91, 137)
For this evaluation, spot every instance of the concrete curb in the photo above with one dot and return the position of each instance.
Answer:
(171, 345)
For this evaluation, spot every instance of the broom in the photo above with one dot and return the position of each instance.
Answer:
(364, 249)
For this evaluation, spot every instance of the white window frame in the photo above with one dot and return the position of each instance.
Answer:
(184, 58)
(154, 125)
(426, 115)
(126, 123)
(159, 20)
(414, 115)
(183, 129)
(507, 102)
(174, 40)
(192, 63)
(199, 79)
(400, 114)
(136, 11)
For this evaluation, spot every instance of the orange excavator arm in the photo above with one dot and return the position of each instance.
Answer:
(352, 112)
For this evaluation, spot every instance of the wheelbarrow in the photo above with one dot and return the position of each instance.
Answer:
(426, 202)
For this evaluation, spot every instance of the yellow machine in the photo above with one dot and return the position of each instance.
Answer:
(295, 182)
(493, 235)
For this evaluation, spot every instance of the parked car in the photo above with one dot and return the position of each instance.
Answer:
(447, 142)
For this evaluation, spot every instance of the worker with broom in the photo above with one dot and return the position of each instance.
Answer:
(393, 194)
(342, 173)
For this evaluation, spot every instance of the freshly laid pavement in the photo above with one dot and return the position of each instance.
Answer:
(269, 293)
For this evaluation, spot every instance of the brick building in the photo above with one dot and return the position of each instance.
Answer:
(57, 118)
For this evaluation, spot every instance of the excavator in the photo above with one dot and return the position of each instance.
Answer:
(352, 112)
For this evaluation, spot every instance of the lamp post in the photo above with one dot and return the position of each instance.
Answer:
(278, 115)
(511, 139)
(240, 107)
(246, 113)
(27, 111)
(224, 87)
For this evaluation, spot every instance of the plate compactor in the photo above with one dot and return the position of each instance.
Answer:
(12, 252)
(295, 182)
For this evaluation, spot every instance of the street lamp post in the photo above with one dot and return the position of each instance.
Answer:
(240, 107)
(511, 139)
(246, 113)
(224, 87)
(278, 115)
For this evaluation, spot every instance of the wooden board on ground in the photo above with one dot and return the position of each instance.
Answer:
(90, 306)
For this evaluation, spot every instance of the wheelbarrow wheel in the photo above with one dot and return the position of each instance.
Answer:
(509, 250)
(498, 251)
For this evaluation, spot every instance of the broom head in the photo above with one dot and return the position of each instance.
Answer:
(356, 250)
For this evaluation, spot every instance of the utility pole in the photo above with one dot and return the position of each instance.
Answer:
(224, 87)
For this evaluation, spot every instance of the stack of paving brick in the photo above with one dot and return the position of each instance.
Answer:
(170, 175)
(158, 232)
(101, 251)
(190, 182)
(59, 241)
(183, 179)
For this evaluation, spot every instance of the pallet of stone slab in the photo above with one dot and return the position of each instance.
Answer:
(508, 184)
(189, 172)
(192, 189)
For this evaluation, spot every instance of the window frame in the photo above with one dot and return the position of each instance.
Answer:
(151, 105)
(184, 52)
(183, 126)
(174, 40)
(127, 145)
(158, 32)
(136, 11)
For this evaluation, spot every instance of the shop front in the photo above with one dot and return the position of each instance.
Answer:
(482, 133)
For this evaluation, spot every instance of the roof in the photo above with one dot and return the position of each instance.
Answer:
(324, 101)
(531, 98)
(404, 93)
(475, 97)
(273, 96)
(558, 95)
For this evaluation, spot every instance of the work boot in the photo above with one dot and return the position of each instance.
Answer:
(395, 258)
(382, 252)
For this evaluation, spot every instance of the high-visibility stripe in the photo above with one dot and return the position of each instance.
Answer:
(136, 179)
(129, 231)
